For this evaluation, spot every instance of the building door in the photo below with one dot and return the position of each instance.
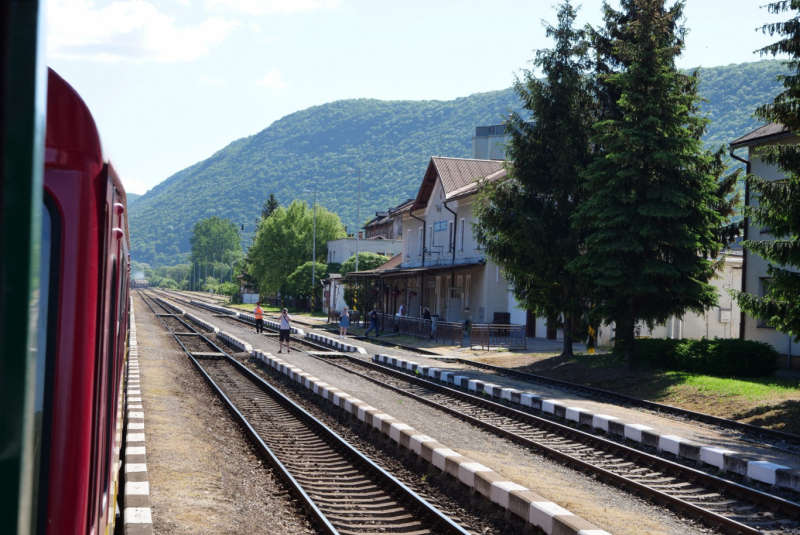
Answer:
(454, 301)
(530, 324)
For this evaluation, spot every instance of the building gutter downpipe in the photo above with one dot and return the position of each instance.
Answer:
(744, 236)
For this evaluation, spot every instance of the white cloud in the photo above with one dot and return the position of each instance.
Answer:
(273, 80)
(211, 80)
(133, 30)
(262, 7)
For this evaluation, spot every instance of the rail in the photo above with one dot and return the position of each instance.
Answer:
(486, 335)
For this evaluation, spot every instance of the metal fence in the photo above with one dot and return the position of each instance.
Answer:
(449, 333)
(486, 335)
(335, 315)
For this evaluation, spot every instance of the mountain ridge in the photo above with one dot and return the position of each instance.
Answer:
(390, 141)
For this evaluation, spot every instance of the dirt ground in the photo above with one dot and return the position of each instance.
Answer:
(204, 476)
(779, 411)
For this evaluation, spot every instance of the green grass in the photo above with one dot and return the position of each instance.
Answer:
(753, 389)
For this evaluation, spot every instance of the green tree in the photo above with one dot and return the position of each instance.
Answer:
(655, 206)
(284, 241)
(298, 284)
(354, 294)
(778, 202)
(525, 219)
(366, 261)
(211, 239)
(270, 206)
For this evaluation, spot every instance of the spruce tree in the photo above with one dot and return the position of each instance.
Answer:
(656, 206)
(778, 202)
(270, 206)
(525, 219)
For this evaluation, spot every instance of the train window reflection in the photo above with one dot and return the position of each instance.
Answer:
(50, 256)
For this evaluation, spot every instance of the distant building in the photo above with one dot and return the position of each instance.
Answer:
(489, 142)
(754, 267)
(389, 224)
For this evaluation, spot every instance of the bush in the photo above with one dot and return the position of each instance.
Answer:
(717, 357)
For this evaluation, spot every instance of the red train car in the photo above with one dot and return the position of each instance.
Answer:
(82, 323)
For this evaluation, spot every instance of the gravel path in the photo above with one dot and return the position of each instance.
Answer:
(204, 476)
(605, 506)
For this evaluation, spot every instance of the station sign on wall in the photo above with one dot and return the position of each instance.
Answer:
(440, 226)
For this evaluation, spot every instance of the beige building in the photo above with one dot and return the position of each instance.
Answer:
(755, 267)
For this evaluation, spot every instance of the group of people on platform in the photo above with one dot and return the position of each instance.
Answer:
(285, 326)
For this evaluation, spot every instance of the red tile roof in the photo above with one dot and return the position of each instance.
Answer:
(455, 174)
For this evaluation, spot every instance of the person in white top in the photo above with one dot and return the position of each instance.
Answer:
(402, 311)
(285, 331)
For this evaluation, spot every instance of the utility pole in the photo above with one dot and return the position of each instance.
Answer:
(314, 253)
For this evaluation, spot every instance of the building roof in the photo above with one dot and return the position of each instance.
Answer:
(761, 134)
(455, 174)
(386, 217)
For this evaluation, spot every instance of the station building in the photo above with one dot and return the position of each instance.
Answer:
(754, 267)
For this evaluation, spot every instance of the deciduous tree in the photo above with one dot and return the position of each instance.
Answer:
(777, 203)
(284, 241)
(525, 219)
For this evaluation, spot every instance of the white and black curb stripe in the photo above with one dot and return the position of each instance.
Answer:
(336, 344)
(215, 308)
(236, 342)
(521, 501)
(137, 516)
(170, 306)
(202, 323)
(723, 459)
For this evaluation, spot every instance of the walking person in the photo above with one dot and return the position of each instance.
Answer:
(258, 313)
(426, 315)
(285, 330)
(373, 318)
(344, 323)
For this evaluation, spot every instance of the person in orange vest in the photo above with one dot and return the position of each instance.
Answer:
(259, 315)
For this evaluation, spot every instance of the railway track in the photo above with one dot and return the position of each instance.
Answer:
(752, 433)
(344, 491)
(777, 438)
(717, 502)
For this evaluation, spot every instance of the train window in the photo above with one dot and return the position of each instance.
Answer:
(46, 329)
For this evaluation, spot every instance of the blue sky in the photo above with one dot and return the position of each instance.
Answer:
(170, 82)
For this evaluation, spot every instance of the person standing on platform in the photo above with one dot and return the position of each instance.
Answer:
(373, 318)
(344, 323)
(258, 313)
(285, 330)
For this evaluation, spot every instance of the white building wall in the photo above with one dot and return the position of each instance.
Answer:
(342, 249)
(756, 269)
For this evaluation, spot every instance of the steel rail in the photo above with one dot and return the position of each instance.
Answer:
(643, 403)
(612, 396)
(438, 520)
(641, 458)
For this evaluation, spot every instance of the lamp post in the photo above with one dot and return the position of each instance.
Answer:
(358, 216)
(313, 251)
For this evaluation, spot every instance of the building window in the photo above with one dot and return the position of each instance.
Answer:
(408, 243)
(430, 239)
(461, 236)
(466, 291)
(420, 236)
(450, 243)
(763, 289)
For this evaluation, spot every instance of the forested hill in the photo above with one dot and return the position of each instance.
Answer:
(390, 141)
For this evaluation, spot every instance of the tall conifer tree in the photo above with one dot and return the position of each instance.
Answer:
(269, 206)
(778, 204)
(525, 219)
(656, 207)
